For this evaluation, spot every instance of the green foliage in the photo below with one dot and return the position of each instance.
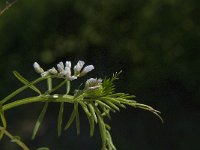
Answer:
(108, 85)
(39, 120)
(98, 99)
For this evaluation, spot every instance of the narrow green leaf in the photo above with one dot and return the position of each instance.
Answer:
(92, 112)
(3, 119)
(89, 116)
(60, 117)
(117, 102)
(123, 95)
(109, 141)
(103, 104)
(92, 125)
(71, 119)
(84, 106)
(112, 105)
(126, 101)
(26, 82)
(77, 120)
(1, 134)
(19, 90)
(107, 126)
(102, 131)
(39, 120)
(15, 139)
(106, 112)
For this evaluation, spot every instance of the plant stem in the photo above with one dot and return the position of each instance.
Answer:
(49, 83)
(25, 87)
(68, 85)
(66, 98)
(7, 7)
(20, 90)
(18, 142)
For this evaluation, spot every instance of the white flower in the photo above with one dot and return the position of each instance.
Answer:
(46, 73)
(65, 71)
(86, 70)
(93, 83)
(78, 67)
(53, 71)
(67, 74)
(37, 68)
(60, 66)
(68, 64)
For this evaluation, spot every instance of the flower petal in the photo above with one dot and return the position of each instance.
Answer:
(60, 66)
(78, 67)
(68, 64)
(86, 70)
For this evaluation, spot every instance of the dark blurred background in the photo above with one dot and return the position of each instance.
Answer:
(156, 44)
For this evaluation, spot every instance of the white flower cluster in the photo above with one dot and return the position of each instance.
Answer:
(65, 70)
(93, 84)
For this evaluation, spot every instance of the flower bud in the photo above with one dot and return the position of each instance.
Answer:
(53, 71)
(86, 70)
(93, 83)
(78, 67)
(68, 64)
(37, 68)
(60, 66)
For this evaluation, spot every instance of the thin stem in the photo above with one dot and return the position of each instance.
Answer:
(61, 110)
(18, 142)
(49, 83)
(20, 90)
(7, 7)
(68, 85)
(55, 88)
(25, 87)
(66, 98)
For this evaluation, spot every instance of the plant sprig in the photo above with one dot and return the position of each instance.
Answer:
(97, 99)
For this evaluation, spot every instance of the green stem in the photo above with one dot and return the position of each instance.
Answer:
(66, 98)
(55, 88)
(68, 85)
(18, 142)
(60, 114)
(26, 86)
(49, 83)
(20, 90)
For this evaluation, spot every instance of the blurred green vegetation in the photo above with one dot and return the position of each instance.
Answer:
(155, 43)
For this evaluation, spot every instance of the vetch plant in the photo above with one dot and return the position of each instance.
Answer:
(97, 98)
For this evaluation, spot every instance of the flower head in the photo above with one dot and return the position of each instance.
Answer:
(64, 70)
(93, 83)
